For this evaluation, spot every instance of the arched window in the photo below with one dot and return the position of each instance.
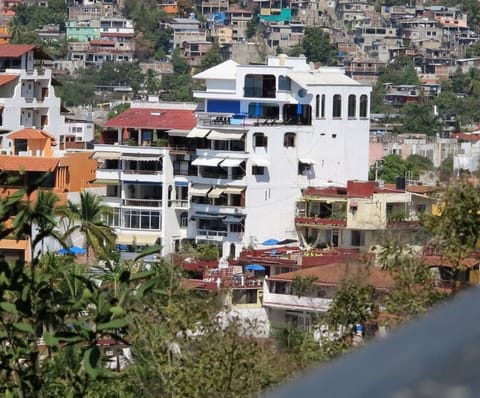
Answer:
(259, 140)
(317, 106)
(363, 105)
(352, 99)
(322, 113)
(289, 140)
(337, 106)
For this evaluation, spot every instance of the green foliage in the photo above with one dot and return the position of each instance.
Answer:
(115, 111)
(212, 57)
(418, 164)
(89, 218)
(457, 228)
(53, 299)
(419, 118)
(317, 47)
(414, 290)
(179, 63)
(254, 26)
(391, 167)
(304, 285)
(178, 87)
(353, 303)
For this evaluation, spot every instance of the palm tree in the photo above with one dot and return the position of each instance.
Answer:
(151, 81)
(88, 217)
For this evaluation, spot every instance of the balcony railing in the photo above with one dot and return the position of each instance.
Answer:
(208, 234)
(320, 221)
(142, 202)
(179, 203)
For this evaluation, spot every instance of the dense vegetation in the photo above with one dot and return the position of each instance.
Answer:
(179, 347)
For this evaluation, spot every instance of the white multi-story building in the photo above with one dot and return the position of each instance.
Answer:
(270, 131)
(27, 96)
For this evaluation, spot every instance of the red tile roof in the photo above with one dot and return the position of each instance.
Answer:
(30, 134)
(17, 50)
(14, 50)
(334, 274)
(149, 118)
(27, 163)
(474, 137)
(4, 79)
(109, 43)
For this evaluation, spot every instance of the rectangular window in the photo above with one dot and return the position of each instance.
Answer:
(258, 170)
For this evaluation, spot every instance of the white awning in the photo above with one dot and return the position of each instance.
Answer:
(211, 162)
(197, 132)
(141, 157)
(215, 192)
(199, 190)
(260, 162)
(225, 135)
(234, 190)
(106, 155)
(307, 161)
(231, 162)
(233, 219)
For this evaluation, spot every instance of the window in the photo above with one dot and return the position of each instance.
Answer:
(258, 170)
(237, 228)
(304, 168)
(263, 110)
(337, 106)
(283, 83)
(358, 238)
(259, 140)
(322, 114)
(289, 140)
(317, 106)
(363, 105)
(259, 86)
(351, 105)
(244, 296)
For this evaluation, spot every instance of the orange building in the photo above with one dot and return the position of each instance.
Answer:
(33, 157)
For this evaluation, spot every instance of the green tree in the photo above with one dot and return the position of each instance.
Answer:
(151, 82)
(89, 218)
(389, 168)
(212, 57)
(457, 228)
(179, 63)
(419, 118)
(317, 47)
(414, 291)
(417, 164)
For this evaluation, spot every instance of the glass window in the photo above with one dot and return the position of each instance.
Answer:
(363, 105)
(289, 140)
(284, 83)
(322, 114)
(259, 140)
(352, 99)
(259, 86)
(317, 106)
(258, 170)
(337, 106)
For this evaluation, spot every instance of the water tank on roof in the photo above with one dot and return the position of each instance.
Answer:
(400, 183)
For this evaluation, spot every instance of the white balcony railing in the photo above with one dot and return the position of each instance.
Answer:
(290, 301)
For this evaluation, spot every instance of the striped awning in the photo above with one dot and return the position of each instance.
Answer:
(197, 132)
(106, 155)
(216, 192)
(225, 135)
(210, 162)
(199, 190)
(231, 162)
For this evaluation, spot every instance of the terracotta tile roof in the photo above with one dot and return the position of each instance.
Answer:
(30, 134)
(423, 189)
(474, 137)
(334, 274)
(149, 118)
(439, 261)
(4, 79)
(15, 50)
(27, 163)
(102, 43)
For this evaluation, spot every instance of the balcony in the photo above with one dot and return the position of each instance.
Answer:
(212, 235)
(142, 202)
(290, 301)
(142, 176)
(108, 174)
(317, 221)
(178, 203)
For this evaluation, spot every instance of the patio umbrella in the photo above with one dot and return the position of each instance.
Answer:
(77, 250)
(299, 109)
(258, 110)
(270, 242)
(63, 251)
(287, 241)
(255, 267)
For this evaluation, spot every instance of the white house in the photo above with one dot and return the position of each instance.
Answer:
(27, 96)
(271, 130)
